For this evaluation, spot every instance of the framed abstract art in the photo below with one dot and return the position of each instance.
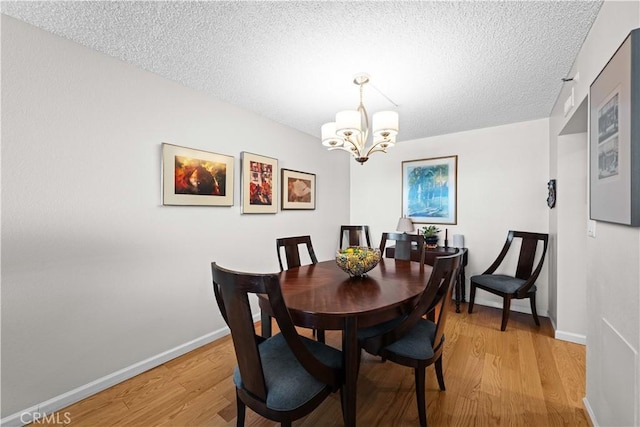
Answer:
(298, 190)
(259, 183)
(193, 177)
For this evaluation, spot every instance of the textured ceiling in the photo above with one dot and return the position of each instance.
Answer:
(449, 66)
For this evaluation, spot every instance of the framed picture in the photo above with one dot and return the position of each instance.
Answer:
(259, 184)
(298, 190)
(196, 178)
(429, 190)
(614, 146)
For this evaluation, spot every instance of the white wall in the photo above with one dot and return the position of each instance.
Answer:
(571, 238)
(502, 185)
(96, 274)
(612, 257)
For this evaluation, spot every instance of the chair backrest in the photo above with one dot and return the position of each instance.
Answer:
(403, 245)
(434, 297)
(526, 259)
(291, 251)
(355, 235)
(231, 289)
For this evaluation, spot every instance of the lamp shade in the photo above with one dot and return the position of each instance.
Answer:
(385, 122)
(348, 122)
(329, 137)
(405, 225)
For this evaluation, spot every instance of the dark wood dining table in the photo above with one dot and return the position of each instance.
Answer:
(322, 296)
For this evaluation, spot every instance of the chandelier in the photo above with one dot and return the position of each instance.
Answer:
(351, 129)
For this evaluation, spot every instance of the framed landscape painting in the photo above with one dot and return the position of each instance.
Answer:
(298, 190)
(429, 190)
(193, 177)
(259, 184)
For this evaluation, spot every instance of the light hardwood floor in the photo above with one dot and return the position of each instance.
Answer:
(520, 377)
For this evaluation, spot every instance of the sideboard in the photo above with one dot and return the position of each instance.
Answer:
(430, 255)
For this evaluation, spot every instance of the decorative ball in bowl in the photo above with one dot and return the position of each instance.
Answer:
(357, 260)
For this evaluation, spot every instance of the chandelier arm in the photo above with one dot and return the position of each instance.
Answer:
(364, 116)
(377, 147)
(364, 135)
(356, 145)
(348, 150)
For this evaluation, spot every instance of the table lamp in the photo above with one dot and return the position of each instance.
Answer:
(405, 225)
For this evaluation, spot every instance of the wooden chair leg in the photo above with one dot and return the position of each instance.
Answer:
(420, 372)
(265, 321)
(241, 409)
(505, 312)
(286, 423)
(532, 300)
(320, 335)
(472, 297)
(439, 374)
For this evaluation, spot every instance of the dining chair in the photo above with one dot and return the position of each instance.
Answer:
(284, 377)
(518, 286)
(356, 234)
(290, 246)
(404, 243)
(412, 340)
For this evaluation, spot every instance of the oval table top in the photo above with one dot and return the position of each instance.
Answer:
(322, 295)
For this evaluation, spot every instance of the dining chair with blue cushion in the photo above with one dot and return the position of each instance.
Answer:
(518, 286)
(412, 340)
(284, 377)
(291, 248)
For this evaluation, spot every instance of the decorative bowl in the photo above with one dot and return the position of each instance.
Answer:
(357, 260)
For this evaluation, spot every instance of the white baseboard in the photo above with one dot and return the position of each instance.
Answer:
(54, 404)
(571, 337)
(560, 335)
(592, 416)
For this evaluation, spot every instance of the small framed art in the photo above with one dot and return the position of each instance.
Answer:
(193, 177)
(298, 190)
(429, 190)
(259, 183)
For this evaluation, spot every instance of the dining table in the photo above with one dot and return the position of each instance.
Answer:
(322, 296)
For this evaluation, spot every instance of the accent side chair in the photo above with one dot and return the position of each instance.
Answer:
(518, 286)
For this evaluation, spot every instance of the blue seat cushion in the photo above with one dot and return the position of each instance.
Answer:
(418, 343)
(500, 282)
(289, 385)
(379, 329)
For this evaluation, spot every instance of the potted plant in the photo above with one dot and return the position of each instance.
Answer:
(430, 233)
